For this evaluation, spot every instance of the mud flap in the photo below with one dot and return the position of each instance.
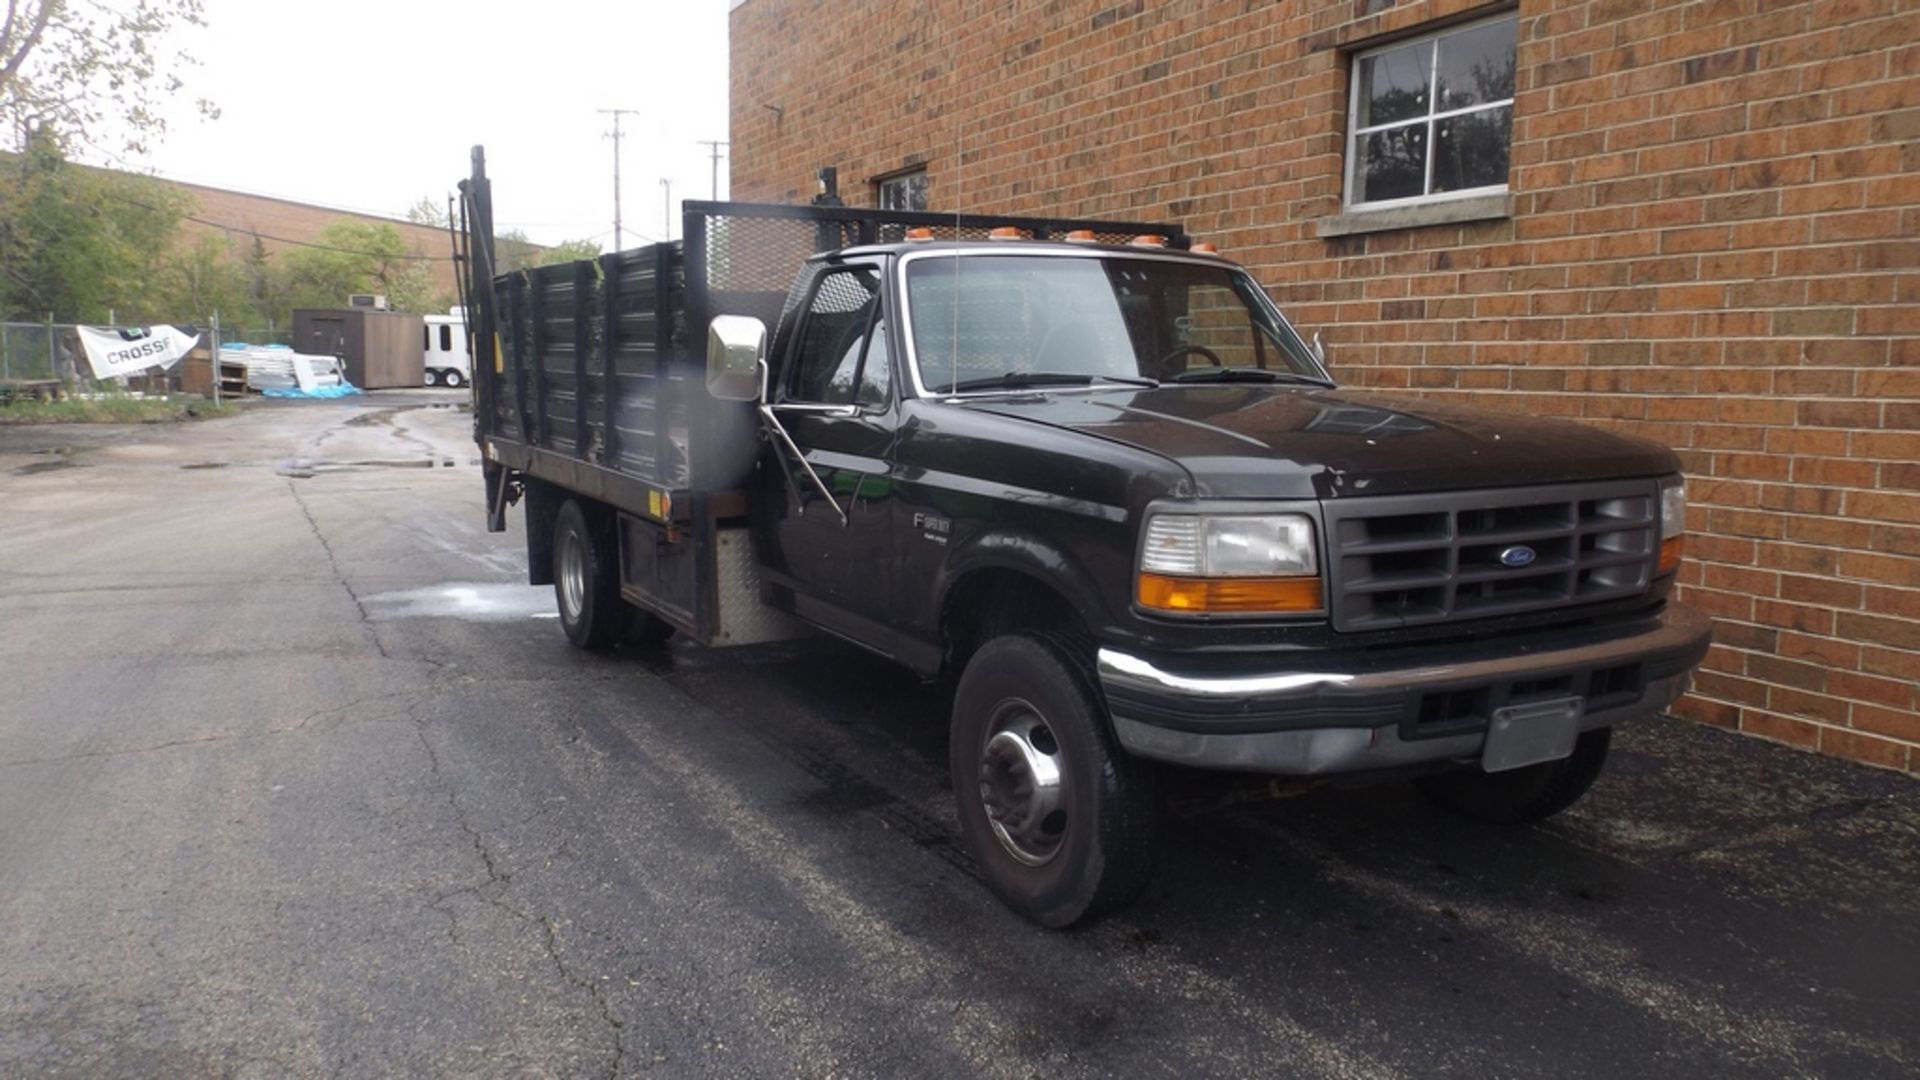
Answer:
(494, 476)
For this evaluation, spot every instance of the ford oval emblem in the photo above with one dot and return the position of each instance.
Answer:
(1517, 556)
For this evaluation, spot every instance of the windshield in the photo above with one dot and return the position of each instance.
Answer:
(981, 321)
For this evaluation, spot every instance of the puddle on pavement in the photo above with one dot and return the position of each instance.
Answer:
(205, 465)
(472, 601)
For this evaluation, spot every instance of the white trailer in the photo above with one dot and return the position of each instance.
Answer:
(448, 363)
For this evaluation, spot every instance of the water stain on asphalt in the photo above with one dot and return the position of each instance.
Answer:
(470, 601)
(300, 469)
(46, 466)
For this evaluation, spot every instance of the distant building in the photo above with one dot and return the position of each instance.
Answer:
(1696, 221)
(238, 217)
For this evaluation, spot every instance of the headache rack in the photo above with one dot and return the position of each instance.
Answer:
(591, 374)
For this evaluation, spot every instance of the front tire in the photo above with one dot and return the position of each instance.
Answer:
(586, 578)
(433, 377)
(1523, 796)
(1063, 824)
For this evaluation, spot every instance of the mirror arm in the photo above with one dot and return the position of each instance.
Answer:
(779, 429)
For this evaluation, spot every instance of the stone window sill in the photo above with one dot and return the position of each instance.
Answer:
(1446, 212)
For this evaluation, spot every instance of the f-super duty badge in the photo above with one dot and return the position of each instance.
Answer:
(932, 527)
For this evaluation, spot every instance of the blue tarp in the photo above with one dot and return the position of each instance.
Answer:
(345, 389)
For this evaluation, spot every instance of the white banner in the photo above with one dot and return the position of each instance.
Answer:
(114, 353)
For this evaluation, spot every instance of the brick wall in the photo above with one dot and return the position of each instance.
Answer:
(1714, 242)
(239, 216)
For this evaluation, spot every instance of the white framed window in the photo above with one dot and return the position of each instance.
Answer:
(1431, 118)
(903, 191)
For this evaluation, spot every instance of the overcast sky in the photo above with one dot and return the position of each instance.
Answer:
(370, 105)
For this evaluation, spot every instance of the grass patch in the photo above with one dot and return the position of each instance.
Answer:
(114, 410)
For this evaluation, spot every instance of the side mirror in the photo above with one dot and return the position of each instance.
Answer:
(736, 344)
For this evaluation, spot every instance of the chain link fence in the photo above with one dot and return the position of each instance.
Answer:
(35, 356)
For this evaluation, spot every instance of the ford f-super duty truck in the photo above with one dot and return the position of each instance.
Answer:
(1089, 471)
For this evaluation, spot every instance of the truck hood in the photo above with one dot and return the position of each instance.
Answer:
(1267, 442)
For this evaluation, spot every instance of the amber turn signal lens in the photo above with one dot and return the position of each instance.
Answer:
(1671, 549)
(1205, 248)
(1082, 236)
(1229, 596)
(1007, 232)
(919, 234)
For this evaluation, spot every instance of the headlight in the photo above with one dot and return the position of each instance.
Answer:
(1673, 524)
(1229, 564)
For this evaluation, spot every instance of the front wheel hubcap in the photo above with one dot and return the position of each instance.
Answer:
(1023, 784)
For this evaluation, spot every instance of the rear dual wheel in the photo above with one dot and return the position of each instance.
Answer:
(1063, 824)
(586, 582)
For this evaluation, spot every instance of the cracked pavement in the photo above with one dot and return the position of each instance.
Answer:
(297, 778)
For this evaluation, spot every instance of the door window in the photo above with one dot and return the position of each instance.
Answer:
(835, 364)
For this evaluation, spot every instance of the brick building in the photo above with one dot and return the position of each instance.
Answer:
(1694, 220)
(237, 217)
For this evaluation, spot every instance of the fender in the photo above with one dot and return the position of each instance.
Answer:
(1032, 554)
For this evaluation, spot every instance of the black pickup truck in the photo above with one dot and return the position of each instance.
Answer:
(1089, 471)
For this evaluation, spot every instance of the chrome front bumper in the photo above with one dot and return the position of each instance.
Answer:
(1362, 711)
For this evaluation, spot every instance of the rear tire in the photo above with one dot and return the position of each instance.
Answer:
(433, 377)
(1523, 796)
(1064, 825)
(586, 578)
(453, 379)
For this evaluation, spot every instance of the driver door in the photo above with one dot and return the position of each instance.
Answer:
(835, 399)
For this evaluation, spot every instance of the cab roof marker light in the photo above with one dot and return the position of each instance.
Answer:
(1007, 232)
(1206, 248)
(919, 234)
(1082, 236)
(1151, 240)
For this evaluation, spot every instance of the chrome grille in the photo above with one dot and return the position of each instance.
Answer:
(1409, 560)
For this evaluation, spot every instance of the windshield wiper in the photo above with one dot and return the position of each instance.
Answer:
(1021, 380)
(1240, 374)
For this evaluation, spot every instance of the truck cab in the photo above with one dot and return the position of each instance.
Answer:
(1117, 481)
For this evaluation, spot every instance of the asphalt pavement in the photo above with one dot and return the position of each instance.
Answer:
(299, 778)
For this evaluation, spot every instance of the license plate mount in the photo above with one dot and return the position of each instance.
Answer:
(1532, 733)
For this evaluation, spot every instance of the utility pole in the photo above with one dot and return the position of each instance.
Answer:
(713, 151)
(666, 209)
(617, 114)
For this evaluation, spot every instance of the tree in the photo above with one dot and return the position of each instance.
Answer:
(201, 280)
(360, 257)
(79, 243)
(567, 251)
(71, 65)
(513, 251)
(427, 211)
